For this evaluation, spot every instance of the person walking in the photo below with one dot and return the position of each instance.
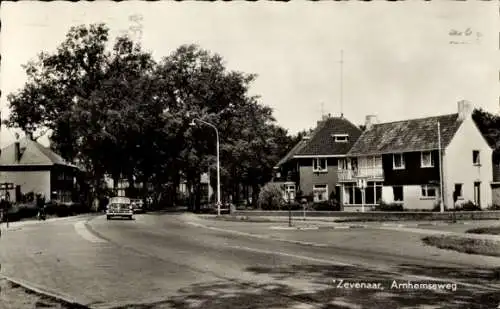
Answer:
(40, 203)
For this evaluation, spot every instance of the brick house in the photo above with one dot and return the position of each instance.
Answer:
(401, 163)
(311, 166)
(33, 168)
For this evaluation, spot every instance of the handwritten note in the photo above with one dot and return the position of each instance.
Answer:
(465, 36)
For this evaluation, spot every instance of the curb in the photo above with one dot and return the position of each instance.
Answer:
(312, 228)
(65, 300)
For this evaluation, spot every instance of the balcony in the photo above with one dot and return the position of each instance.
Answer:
(371, 173)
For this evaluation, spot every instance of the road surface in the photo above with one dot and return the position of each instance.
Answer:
(171, 261)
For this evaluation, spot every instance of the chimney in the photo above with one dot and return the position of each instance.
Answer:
(464, 109)
(370, 121)
(324, 118)
(17, 152)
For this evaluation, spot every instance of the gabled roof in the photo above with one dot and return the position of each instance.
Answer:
(292, 152)
(407, 135)
(322, 141)
(32, 153)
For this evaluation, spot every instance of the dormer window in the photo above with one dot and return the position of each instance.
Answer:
(341, 138)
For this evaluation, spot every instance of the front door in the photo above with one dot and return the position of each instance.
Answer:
(477, 194)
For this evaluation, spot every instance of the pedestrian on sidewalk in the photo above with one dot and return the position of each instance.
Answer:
(40, 203)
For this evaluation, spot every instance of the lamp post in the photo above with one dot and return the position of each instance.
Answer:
(218, 162)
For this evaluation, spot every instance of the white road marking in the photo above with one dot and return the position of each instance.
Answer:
(84, 232)
(331, 262)
(296, 256)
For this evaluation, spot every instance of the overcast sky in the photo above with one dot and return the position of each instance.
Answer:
(399, 61)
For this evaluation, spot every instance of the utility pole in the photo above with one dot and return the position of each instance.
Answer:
(341, 83)
(441, 204)
(289, 209)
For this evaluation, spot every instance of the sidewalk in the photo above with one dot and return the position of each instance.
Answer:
(18, 224)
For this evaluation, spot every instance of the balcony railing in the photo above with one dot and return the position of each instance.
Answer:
(368, 173)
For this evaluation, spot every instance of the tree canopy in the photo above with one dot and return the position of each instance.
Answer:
(118, 112)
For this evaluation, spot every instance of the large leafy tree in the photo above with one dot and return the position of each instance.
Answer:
(94, 101)
(119, 112)
(489, 125)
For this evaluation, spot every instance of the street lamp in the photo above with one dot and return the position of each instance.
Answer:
(193, 123)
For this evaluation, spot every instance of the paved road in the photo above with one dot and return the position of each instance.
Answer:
(163, 261)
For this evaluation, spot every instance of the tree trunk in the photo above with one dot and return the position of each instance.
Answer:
(197, 197)
(175, 189)
(255, 194)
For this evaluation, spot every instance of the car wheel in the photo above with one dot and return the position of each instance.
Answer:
(130, 217)
(108, 217)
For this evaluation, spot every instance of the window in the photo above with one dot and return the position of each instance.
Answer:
(289, 192)
(342, 164)
(426, 159)
(457, 193)
(341, 138)
(398, 161)
(428, 191)
(398, 194)
(353, 195)
(372, 162)
(476, 157)
(63, 196)
(319, 165)
(320, 193)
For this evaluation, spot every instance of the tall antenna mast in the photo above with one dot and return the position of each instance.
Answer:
(322, 109)
(341, 82)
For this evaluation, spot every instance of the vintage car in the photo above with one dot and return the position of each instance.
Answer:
(119, 207)
(137, 205)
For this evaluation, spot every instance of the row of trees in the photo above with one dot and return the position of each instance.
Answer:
(119, 112)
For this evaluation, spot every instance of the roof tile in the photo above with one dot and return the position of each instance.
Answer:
(407, 135)
(322, 141)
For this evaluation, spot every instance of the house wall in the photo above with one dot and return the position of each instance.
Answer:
(412, 197)
(459, 167)
(30, 181)
(308, 178)
(63, 183)
(495, 194)
(413, 173)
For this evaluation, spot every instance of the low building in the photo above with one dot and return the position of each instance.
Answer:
(32, 169)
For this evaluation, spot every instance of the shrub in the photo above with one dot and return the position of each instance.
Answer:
(292, 206)
(382, 206)
(326, 206)
(270, 197)
(467, 206)
(19, 212)
(494, 207)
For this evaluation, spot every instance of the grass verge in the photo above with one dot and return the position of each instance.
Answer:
(241, 219)
(13, 296)
(493, 230)
(464, 245)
